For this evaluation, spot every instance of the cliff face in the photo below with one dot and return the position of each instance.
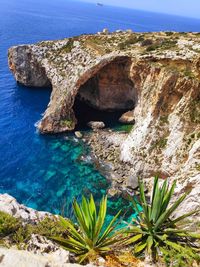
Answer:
(166, 136)
(156, 75)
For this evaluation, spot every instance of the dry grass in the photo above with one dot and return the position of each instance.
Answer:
(123, 260)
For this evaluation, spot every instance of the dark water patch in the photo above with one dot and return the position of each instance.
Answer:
(85, 113)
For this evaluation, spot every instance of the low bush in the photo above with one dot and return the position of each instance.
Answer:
(8, 224)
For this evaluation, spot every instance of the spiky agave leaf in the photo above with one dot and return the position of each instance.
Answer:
(90, 236)
(155, 229)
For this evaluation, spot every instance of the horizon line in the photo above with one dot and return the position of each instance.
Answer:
(138, 9)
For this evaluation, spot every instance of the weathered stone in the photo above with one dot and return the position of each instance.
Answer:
(10, 205)
(20, 258)
(127, 118)
(132, 182)
(96, 125)
(40, 244)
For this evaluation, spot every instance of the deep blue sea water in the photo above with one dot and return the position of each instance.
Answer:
(46, 172)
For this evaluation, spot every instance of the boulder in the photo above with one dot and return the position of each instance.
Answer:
(132, 182)
(96, 125)
(127, 118)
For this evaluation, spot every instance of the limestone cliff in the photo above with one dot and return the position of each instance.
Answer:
(156, 75)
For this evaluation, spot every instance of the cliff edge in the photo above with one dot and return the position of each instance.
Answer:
(155, 75)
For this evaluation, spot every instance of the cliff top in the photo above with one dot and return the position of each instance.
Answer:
(158, 44)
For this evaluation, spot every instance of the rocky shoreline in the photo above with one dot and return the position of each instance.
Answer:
(154, 75)
(105, 145)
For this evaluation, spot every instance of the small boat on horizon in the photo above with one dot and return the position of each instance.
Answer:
(99, 4)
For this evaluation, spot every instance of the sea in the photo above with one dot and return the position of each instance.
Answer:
(46, 172)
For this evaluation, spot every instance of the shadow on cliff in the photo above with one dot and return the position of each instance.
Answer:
(85, 113)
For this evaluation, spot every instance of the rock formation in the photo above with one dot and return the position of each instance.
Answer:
(156, 75)
(10, 205)
(20, 258)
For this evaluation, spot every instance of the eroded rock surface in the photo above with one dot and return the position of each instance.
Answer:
(20, 258)
(10, 205)
(158, 79)
(127, 118)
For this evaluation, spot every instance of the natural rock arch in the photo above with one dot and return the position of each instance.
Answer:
(110, 88)
(105, 85)
(102, 81)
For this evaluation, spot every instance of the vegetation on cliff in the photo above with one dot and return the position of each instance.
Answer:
(155, 232)
(91, 237)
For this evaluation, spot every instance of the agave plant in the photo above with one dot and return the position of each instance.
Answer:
(90, 236)
(155, 231)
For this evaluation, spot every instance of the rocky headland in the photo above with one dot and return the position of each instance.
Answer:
(156, 76)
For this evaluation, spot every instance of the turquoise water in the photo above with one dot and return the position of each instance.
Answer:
(46, 172)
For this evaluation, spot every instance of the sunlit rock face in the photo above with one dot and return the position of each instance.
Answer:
(158, 80)
(111, 88)
(27, 70)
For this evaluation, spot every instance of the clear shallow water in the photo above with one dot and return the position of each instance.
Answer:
(46, 172)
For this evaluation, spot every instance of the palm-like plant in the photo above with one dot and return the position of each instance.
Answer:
(154, 231)
(90, 237)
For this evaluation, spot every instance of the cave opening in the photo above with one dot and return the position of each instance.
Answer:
(106, 95)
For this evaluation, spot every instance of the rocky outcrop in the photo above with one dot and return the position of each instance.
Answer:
(26, 68)
(158, 80)
(20, 258)
(10, 205)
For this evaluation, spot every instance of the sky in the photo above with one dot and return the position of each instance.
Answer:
(188, 8)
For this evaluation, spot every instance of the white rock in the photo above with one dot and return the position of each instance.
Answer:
(20, 258)
(96, 125)
(10, 205)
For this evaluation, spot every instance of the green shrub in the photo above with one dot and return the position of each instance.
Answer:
(19, 234)
(169, 33)
(8, 224)
(160, 144)
(156, 231)
(195, 110)
(162, 44)
(22, 235)
(174, 259)
(90, 237)
(147, 42)
(67, 47)
(50, 227)
(130, 41)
